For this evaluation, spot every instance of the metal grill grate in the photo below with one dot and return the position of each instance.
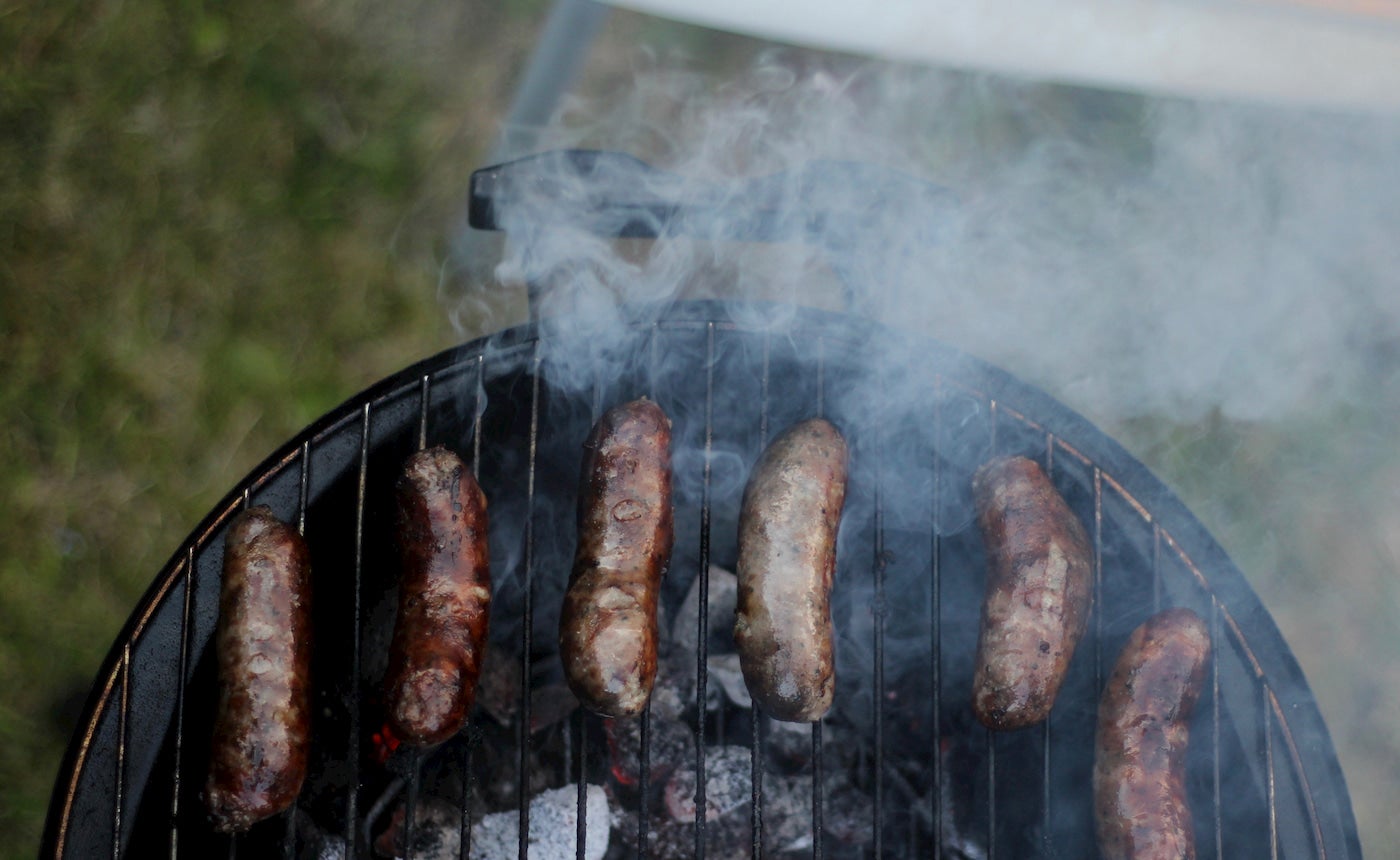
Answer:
(1263, 778)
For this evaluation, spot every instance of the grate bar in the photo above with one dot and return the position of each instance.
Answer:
(991, 794)
(581, 818)
(755, 716)
(817, 739)
(643, 820)
(756, 782)
(352, 802)
(464, 824)
(879, 611)
(478, 409)
(289, 833)
(1046, 739)
(424, 393)
(817, 822)
(1156, 568)
(990, 736)
(643, 780)
(233, 838)
(410, 804)
(528, 611)
(1269, 769)
(579, 724)
(703, 620)
(122, 714)
(935, 610)
(817, 744)
(1216, 642)
(180, 703)
(1098, 581)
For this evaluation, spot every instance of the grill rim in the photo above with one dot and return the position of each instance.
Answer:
(1288, 702)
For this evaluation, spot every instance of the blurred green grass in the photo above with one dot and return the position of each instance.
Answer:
(216, 222)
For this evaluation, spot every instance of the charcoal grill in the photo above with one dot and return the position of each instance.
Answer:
(1264, 780)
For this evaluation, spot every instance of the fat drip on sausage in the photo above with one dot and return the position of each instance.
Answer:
(1140, 750)
(1038, 594)
(787, 560)
(608, 625)
(439, 639)
(263, 640)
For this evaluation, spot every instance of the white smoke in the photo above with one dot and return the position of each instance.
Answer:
(1170, 258)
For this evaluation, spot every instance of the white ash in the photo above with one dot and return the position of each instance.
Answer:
(726, 676)
(553, 829)
(727, 784)
(722, 598)
(553, 826)
(789, 744)
(848, 813)
(787, 813)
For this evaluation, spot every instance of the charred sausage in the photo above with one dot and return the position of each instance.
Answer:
(263, 640)
(1140, 751)
(787, 559)
(1038, 593)
(607, 628)
(444, 598)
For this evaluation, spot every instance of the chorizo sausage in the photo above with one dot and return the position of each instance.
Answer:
(788, 525)
(444, 609)
(608, 627)
(1038, 594)
(1140, 749)
(263, 640)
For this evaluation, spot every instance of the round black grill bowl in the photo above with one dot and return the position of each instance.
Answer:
(1263, 778)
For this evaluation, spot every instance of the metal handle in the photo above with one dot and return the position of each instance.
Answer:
(843, 207)
(615, 194)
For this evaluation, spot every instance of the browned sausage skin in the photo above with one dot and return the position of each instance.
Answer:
(1038, 594)
(444, 598)
(787, 560)
(607, 628)
(1140, 752)
(258, 755)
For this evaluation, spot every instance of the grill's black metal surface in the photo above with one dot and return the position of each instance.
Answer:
(130, 784)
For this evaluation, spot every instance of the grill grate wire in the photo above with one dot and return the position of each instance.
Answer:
(527, 624)
(1270, 714)
(702, 635)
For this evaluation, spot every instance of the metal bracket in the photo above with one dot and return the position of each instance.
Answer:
(839, 206)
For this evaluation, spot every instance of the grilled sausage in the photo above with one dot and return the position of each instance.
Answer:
(444, 598)
(1140, 752)
(263, 640)
(607, 628)
(787, 560)
(1038, 593)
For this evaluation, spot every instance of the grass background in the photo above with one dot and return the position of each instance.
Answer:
(217, 221)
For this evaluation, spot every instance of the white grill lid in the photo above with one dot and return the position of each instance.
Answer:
(1326, 53)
